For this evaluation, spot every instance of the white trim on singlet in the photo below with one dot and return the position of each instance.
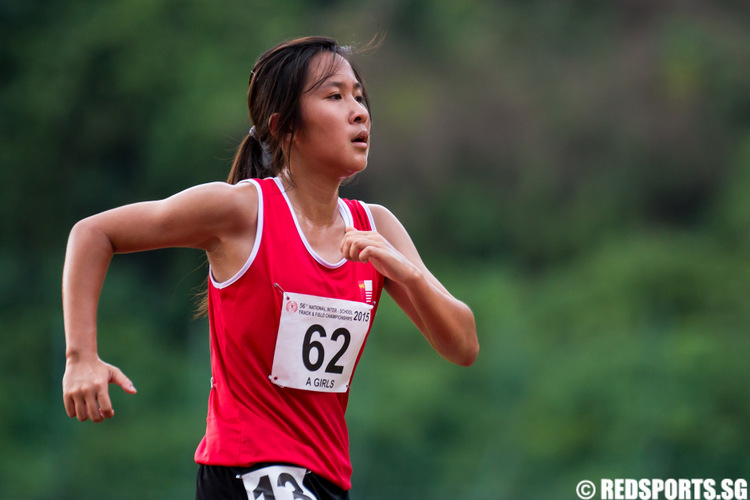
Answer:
(343, 211)
(369, 215)
(256, 245)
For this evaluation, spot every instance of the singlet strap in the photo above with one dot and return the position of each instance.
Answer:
(256, 244)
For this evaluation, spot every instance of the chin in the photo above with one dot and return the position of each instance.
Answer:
(348, 176)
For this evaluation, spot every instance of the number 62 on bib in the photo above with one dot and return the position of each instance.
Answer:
(318, 342)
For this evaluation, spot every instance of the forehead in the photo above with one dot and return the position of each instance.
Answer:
(325, 66)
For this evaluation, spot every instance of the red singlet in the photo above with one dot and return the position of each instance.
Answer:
(251, 419)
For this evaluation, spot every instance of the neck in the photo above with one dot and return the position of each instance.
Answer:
(315, 199)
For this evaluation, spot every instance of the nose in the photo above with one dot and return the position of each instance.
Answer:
(360, 113)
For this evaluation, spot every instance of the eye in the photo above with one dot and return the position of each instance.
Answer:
(335, 96)
(360, 99)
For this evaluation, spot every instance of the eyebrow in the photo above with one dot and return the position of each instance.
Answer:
(336, 83)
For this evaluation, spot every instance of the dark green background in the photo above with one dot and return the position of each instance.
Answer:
(576, 171)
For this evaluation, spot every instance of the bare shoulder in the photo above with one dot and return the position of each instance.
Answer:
(208, 215)
(379, 210)
(386, 223)
(383, 217)
(224, 204)
(220, 194)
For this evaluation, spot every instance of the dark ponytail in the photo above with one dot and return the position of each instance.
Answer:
(249, 161)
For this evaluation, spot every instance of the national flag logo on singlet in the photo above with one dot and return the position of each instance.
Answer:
(365, 289)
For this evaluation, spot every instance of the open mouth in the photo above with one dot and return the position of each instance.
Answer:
(361, 138)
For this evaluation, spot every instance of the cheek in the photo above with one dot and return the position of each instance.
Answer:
(313, 122)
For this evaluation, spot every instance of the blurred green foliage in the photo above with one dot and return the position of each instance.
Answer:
(578, 172)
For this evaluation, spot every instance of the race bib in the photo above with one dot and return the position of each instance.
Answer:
(319, 341)
(279, 482)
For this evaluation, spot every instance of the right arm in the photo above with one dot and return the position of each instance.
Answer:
(217, 217)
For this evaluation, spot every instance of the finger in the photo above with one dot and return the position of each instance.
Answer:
(346, 241)
(92, 405)
(70, 406)
(391, 265)
(68, 399)
(80, 409)
(376, 256)
(356, 251)
(351, 252)
(105, 404)
(364, 255)
(117, 377)
(346, 247)
(365, 249)
(358, 242)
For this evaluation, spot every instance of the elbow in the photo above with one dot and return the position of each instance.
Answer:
(461, 354)
(85, 236)
(469, 356)
(471, 348)
(474, 353)
(468, 351)
(464, 353)
(83, 230)
(89, 231)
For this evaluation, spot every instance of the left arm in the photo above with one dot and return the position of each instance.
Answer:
(446, 322)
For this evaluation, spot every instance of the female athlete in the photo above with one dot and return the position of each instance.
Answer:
(295, 276)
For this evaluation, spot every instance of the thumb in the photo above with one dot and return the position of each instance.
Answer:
(117, 377)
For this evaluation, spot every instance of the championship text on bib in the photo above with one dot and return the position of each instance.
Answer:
(319, 341)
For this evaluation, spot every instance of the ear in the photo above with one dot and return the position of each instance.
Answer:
(273, 123)
(273, 126)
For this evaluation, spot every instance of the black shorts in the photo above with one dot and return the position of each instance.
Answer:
(215, 482)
